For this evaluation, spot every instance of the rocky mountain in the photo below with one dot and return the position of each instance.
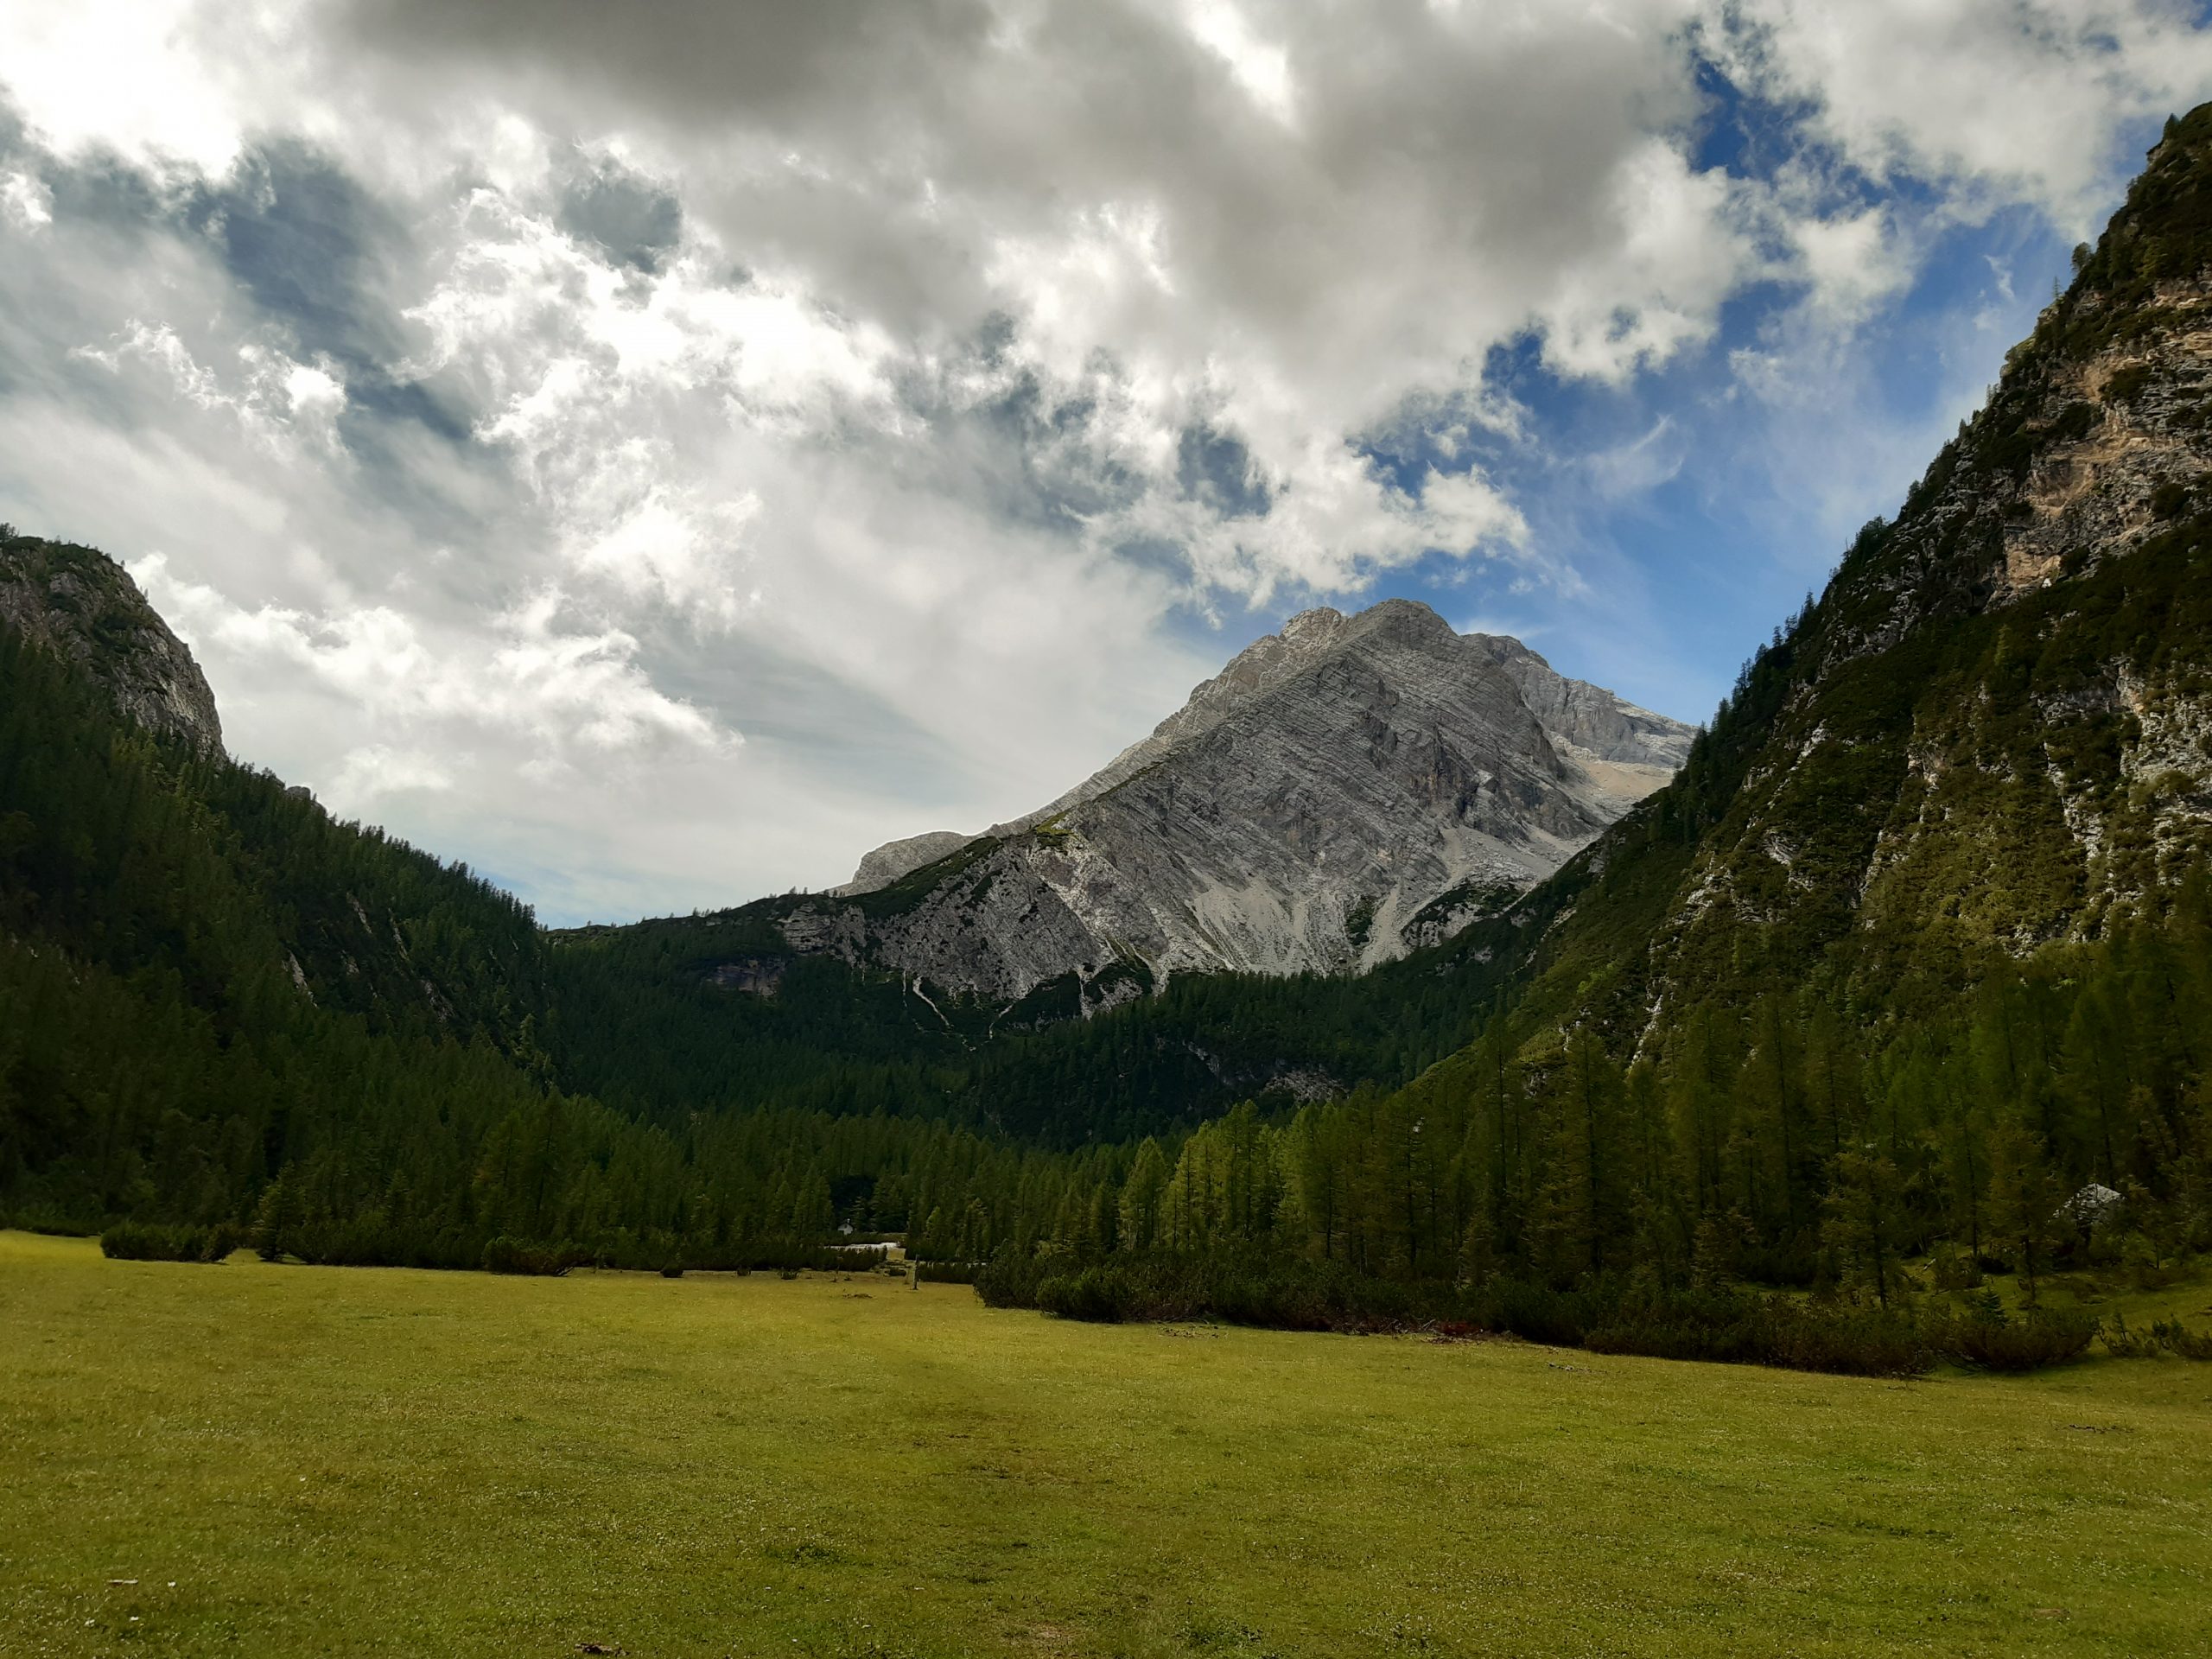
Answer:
(81, 605)
(1342, 791)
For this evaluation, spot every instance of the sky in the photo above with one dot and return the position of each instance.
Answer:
(657, 453)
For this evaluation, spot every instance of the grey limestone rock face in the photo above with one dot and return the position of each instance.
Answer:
(82, 605)
(1343, 792)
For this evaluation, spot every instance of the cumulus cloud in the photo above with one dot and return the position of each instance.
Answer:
(572, 695)
(515, 403)
(2019, 100)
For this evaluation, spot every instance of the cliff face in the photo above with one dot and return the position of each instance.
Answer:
(82, 605)
(1340, 793)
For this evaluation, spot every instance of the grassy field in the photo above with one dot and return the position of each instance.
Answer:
(274, 1460)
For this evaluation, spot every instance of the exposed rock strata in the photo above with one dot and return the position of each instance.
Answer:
(896, 858)
(1342, 791)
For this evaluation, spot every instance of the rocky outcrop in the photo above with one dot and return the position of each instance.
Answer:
(1341, 793)
(896, 858)
(82, 605)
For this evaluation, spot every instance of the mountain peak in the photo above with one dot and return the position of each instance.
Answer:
(1316, 626)
(1345, 789)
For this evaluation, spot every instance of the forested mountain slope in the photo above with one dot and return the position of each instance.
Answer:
(1905, 978)
(219, 1006)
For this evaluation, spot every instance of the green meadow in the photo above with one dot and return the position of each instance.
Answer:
(260, 1459)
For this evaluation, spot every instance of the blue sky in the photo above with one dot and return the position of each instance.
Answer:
(1747, 510)
(1698, 518)
(657, 456)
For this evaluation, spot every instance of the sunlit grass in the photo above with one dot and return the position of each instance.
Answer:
(287, 1459)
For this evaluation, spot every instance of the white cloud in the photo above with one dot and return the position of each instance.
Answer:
(26, 201)
(2018, 100)
(575, 697)
(1852, 263)
(375, 770)
(140, 76)
(283, 406)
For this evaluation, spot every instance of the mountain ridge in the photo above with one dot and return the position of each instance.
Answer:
(1991, 733)
(1301, 811)
(1579, 710)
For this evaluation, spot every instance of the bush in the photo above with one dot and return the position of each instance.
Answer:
(2146, 1269)
(508, 1254)
(138, 1240)
(1742, 1328)
(2164, 1336)
(1606, 1315)
(1954, 1269)
(51, 1224)
(1855, 1341)
(2121, 1343)
(1985, 1336)
(2172, 1335)
(1093, 1294)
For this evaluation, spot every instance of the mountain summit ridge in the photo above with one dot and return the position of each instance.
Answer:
(1593, 723)
(1343, 790)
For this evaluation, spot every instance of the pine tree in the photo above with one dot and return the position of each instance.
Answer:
(2023, 1203)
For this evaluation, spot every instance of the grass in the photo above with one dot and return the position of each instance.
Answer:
(296, 1460)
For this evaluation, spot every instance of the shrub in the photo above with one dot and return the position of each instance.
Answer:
(1855, 1341)
(509, 1255)
(1607, 1315)
(1741, 1327)
(51, 1223)
(2164, 1336)
(1093, 1294)
(1954, 1269)
(138, 1240)
(2139, 1258)
(2121, 1343)
(1985, 1336)
(2177, 1340)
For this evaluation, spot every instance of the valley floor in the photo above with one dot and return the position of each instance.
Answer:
(275, 1460)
